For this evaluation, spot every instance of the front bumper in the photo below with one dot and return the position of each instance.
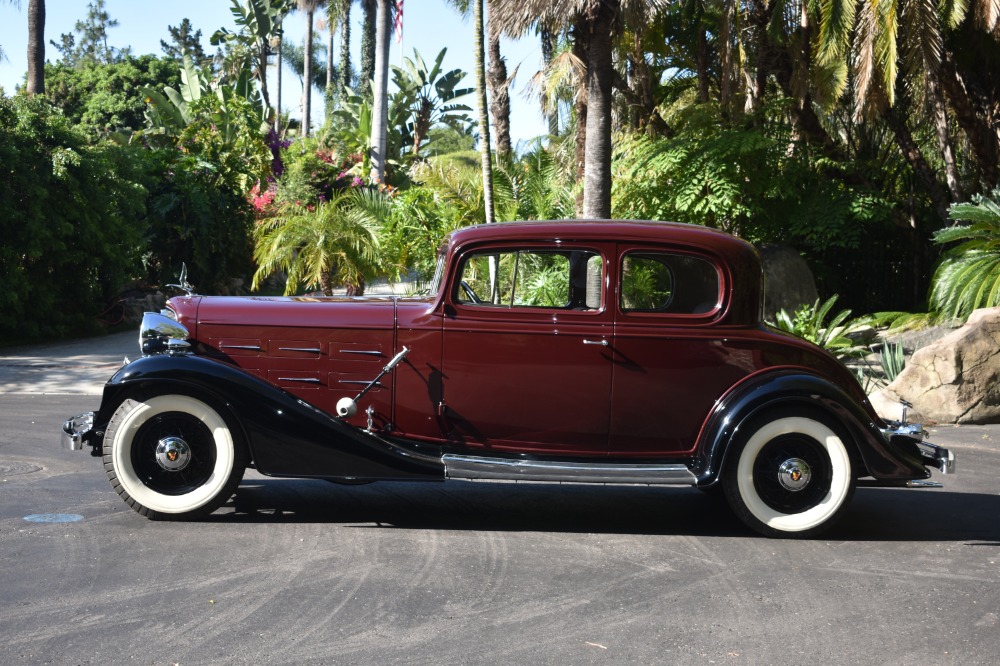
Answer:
(913, 434)
(77, 430)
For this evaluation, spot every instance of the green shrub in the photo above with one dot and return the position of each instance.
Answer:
(68, 222)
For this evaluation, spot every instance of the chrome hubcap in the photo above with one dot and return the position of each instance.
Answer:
(794, 474)
(173, 454)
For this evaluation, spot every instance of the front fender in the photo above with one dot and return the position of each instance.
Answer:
(286, 436)
(790, 389)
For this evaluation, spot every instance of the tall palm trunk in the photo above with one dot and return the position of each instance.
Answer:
(369, 39)
(499, 89)
(484, 120)
(550, 110)
(277, 82)
(307, 75)
(597, 168)
(581, 48)
(36, 47)
(380, 94)
(345, 50)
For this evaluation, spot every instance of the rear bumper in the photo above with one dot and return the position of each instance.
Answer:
(910, 435)
(77, 430)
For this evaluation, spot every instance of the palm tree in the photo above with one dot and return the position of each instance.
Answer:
(594, 24)
(499, 88)
(333, 244)
(380, 94)
(309, 7)
(369, 38)
(484, 119)
(345, 46)
(36, 47)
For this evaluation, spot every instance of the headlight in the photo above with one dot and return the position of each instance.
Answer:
(160, 334)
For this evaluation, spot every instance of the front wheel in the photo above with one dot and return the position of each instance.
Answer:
(172, 456)
(791, 476)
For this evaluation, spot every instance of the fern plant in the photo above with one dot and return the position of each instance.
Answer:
(968, 276)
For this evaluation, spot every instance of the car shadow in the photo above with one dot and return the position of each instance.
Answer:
(876, 514)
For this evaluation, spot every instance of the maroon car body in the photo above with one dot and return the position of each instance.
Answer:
(604, 352)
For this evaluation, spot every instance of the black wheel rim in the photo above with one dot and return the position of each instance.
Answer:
(773, 461)
(180, 425)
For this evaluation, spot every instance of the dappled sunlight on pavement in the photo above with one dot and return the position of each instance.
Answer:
(77, 367)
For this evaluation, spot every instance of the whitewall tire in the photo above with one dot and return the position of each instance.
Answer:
(789, 476)
(172, 456)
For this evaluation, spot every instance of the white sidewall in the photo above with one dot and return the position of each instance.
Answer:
(121, 456)
(840, 482)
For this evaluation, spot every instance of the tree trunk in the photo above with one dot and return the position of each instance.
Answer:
(369, 37)
(484, 120)
(380, 93)
(277, 83)
(580, 50)
(499, 96)
(982, 138)
(36, 47)
(915, 158)
(549, 107)
(345, 50)
(600, 74)
(331, 28)
(422, 125)
(944, 140)
(307, 76)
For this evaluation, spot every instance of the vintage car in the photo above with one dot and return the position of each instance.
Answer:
(570, 352)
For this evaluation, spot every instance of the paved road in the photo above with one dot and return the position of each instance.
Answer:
(309, 572)
(78, 367)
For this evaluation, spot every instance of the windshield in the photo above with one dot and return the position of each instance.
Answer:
(435, 285)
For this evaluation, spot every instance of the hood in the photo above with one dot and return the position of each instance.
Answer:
(286, 311)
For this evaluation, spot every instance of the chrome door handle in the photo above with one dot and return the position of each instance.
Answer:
(603, 343)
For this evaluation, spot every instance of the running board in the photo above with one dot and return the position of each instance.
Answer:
(506, 469)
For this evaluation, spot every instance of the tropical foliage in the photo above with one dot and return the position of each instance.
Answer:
(810, 323)
(840, 128)
(968, 276)
(69, 242)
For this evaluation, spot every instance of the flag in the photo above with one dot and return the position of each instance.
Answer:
(398, 26)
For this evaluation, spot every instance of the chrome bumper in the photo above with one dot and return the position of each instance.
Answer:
(76, 431)
(931, 455)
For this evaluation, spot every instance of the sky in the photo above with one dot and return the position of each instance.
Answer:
(428, 26)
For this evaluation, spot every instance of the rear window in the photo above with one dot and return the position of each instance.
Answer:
(668, 283)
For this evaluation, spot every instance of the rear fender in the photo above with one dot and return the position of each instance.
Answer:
(286, 436)
(790, 390)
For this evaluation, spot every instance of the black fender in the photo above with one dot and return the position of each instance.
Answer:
(286, 436)
(790, 389)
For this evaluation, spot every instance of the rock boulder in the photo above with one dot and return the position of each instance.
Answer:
(954, 380)
(788, 282)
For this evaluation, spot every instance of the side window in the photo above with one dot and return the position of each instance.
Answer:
(532, 279)
(668, 283)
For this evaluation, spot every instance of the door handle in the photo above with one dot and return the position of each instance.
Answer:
(603, 343)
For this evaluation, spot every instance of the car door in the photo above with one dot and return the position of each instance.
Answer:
(526, 350)
(670, 360)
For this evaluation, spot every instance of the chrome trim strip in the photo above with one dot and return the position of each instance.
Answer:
(476, 468)
(358, 351)
(250, 347)
(359, 381)
(923, 484)
(301, 349)
(301, 380)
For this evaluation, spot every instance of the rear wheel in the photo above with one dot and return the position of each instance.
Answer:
(172, 456)
(789, 476)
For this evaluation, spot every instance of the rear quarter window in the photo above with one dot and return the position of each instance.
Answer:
(670, 283)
